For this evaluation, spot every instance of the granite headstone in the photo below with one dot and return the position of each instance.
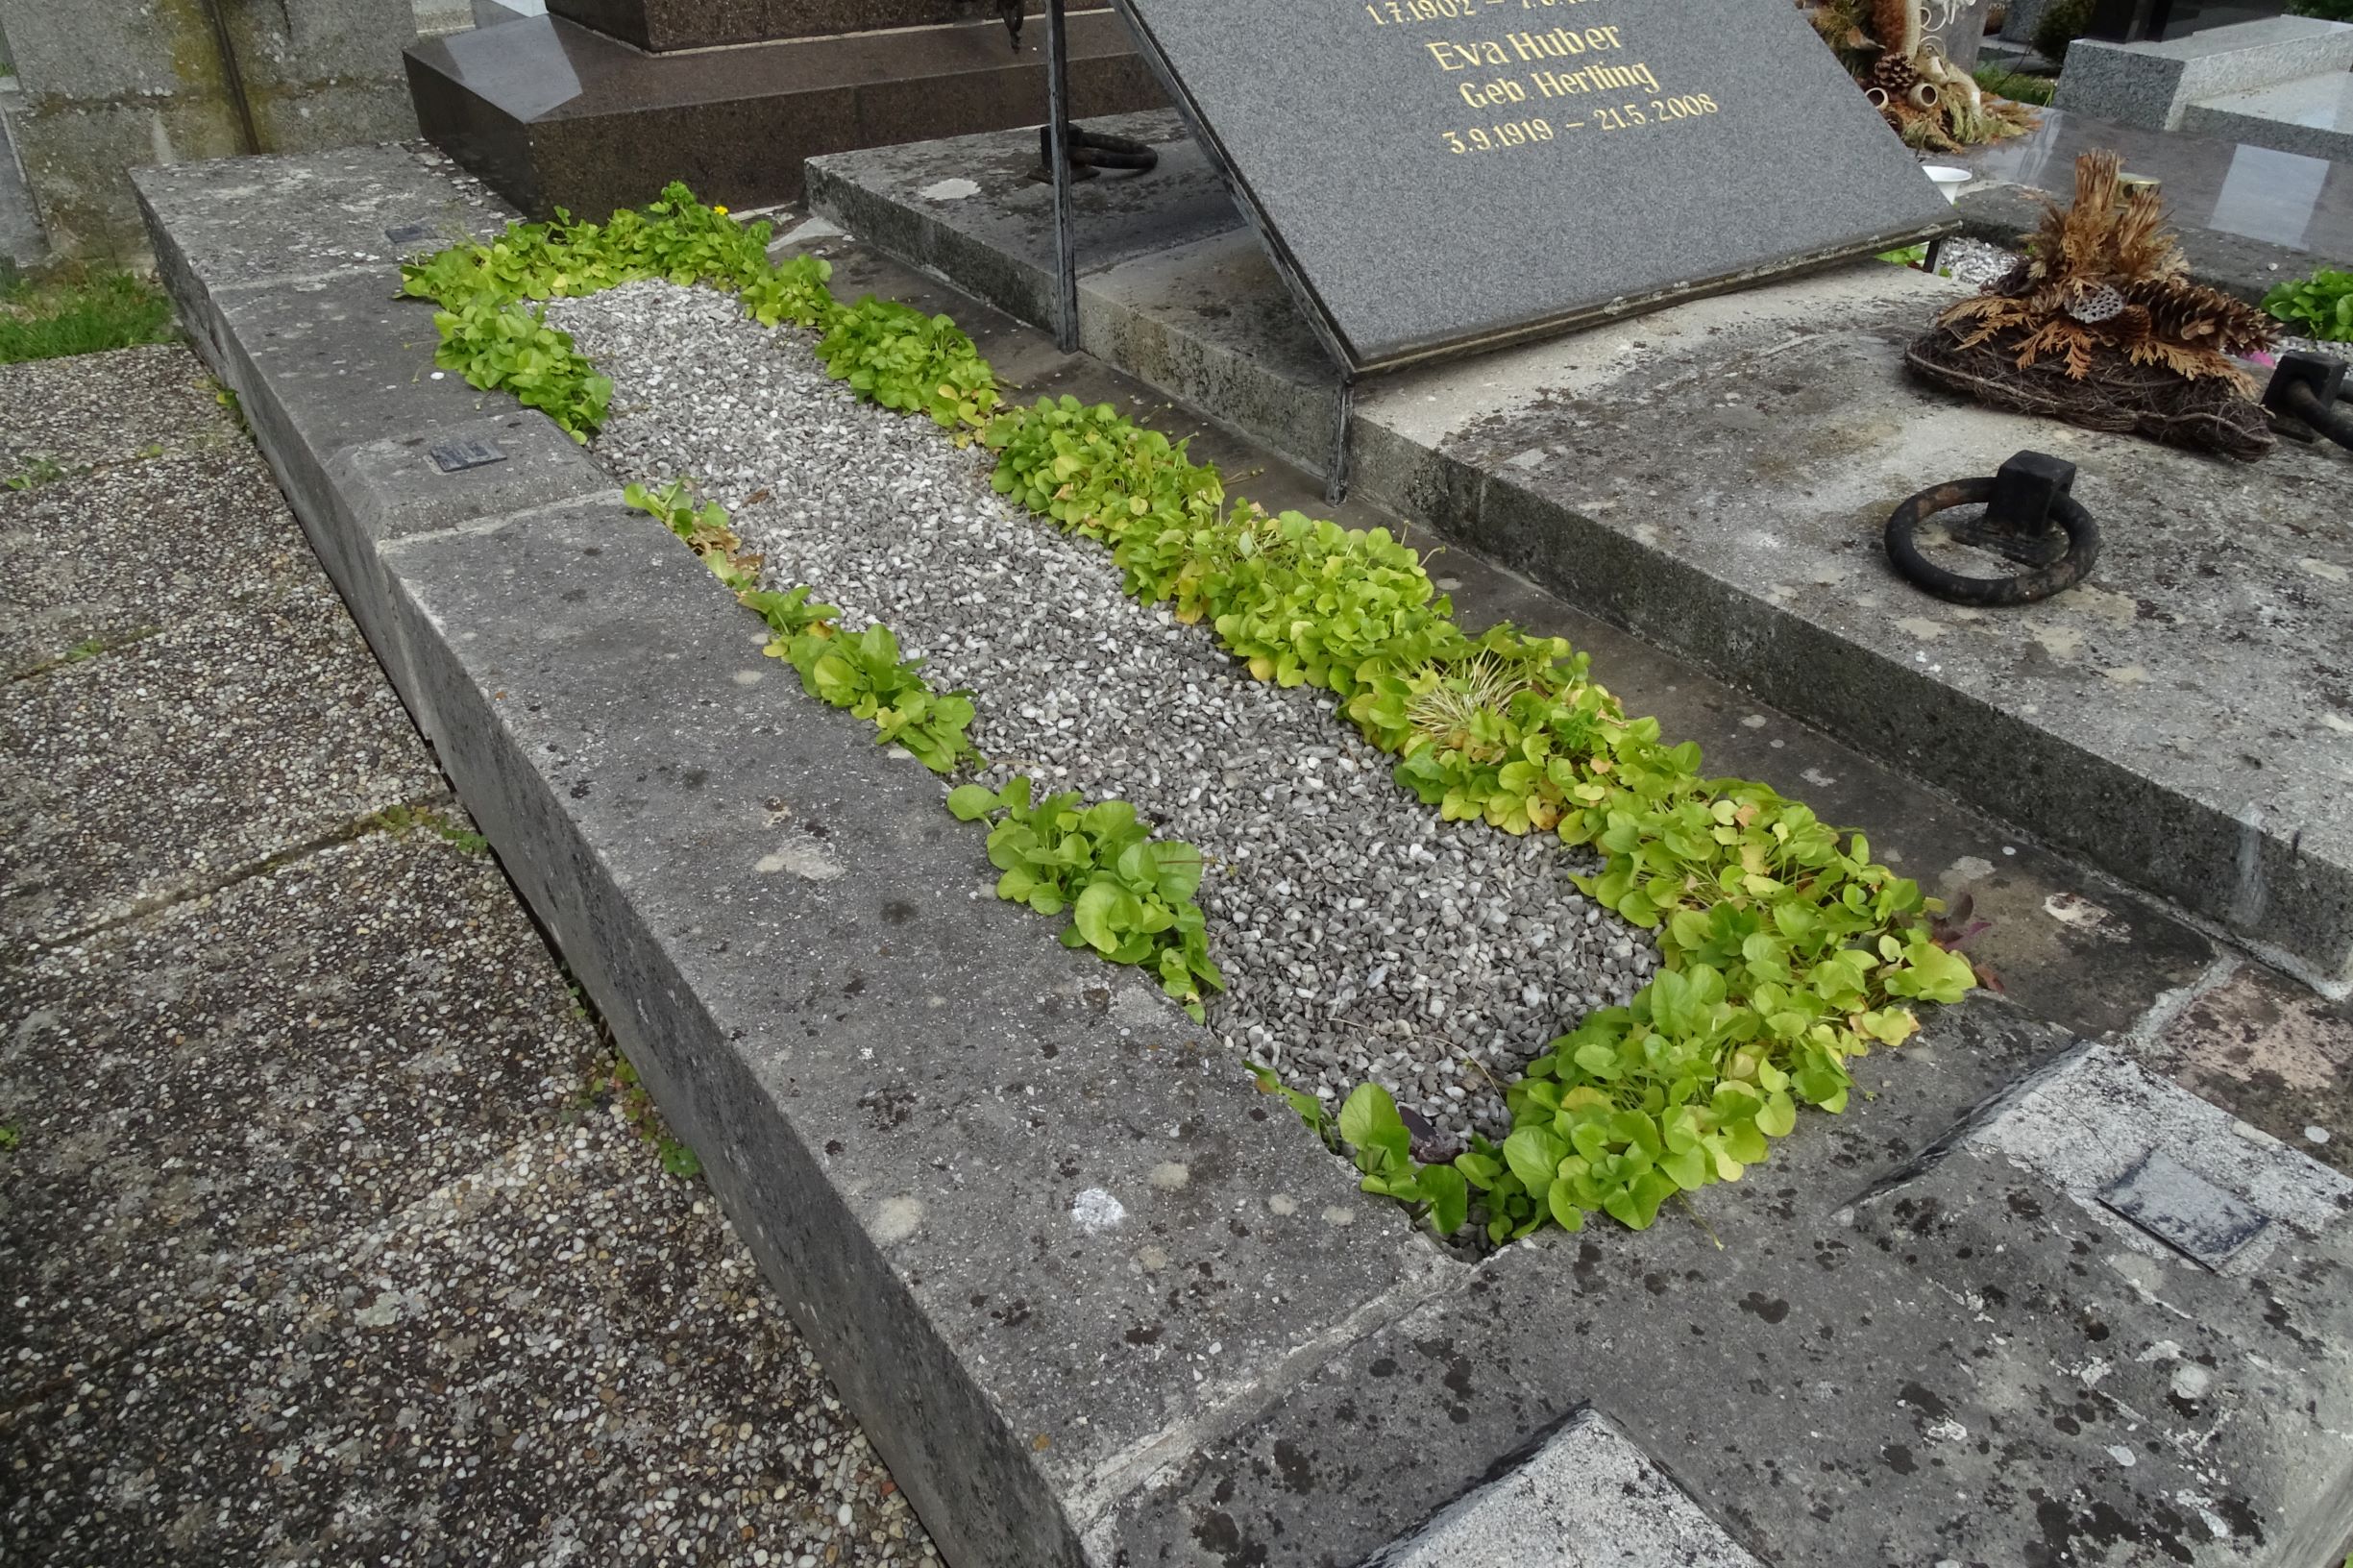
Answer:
(1437, 177)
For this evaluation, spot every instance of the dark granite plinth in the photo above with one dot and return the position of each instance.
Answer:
(697, 24)
(552, 115)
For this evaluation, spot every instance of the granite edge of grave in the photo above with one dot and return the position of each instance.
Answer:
(600, 777)
(578, 777)
(1269, 391)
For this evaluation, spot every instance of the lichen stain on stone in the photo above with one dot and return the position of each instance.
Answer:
(897, 1219)
(806, 861)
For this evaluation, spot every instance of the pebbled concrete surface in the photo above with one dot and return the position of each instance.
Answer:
(192, 757)
(76, 570)
(323, 1234)
(109, 408)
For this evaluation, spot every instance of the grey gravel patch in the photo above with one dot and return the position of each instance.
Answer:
(1973, 261)
(108, 408)
(191, 757)
(1361, 937)
(104, 558)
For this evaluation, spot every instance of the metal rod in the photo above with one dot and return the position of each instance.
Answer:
(1058, 148)
(232, 76)
(1336, 477)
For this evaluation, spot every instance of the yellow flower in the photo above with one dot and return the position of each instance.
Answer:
(721, 210)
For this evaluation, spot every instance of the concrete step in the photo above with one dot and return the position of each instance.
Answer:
(2155, 85)
(1716, 478)
(2311, 115)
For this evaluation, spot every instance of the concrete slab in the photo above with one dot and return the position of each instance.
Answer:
(206, 1095)
(1716, 478)
(2271, 1054)
(2311, 115)
(299, 738)
(78, 574)
(561, 1355)
(95, 408)
(1547, 1513)
(2153, 83)
(1097, 1300)
(1962, 1367)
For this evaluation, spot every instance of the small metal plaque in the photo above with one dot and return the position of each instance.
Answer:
(2183, 1210)
(451, 456)
(409, 233)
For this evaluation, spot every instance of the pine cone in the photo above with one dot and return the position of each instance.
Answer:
(1896, 76)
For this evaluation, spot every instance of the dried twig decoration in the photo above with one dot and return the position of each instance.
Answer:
(2101, 326)
(1932, 103)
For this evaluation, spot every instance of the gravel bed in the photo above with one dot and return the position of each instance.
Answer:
(1360, 936)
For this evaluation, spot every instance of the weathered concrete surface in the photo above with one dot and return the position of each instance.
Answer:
(2273, 1054)
(149, 401)
(1716, 478)
(109, 87)
(923, 1122)
(77, 578)
(326, 1237)
(1538, 1515)
(306, 739)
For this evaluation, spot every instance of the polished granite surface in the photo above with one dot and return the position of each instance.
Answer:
(695, 24)
(545, 69)
(2256, 192)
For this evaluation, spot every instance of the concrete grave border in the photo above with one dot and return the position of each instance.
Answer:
(1095, 1301)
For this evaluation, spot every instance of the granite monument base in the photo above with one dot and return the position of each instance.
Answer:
(549, 113)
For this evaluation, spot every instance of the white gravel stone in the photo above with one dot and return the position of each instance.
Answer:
(1360, 936)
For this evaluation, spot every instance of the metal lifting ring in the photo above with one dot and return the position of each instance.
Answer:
(2031, 517)
(2309, 397)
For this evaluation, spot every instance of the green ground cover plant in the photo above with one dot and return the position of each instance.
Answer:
(2016, 86)
(1130, 896)
(49, 320)
(2320, 306)
(1787, 952)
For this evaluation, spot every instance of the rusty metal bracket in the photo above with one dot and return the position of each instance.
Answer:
(2031, 517)
(2310, 397)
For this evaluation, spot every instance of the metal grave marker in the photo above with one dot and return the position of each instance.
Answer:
(1438, 177)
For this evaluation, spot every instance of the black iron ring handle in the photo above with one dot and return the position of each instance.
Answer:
(2329, 418)
(2026, 588)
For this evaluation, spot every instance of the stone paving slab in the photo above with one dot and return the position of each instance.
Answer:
(364, 1050)
(88, 409)
(203, 1095)
(1955, 1363)
(547, 1359)
(2274, 1055)
(105, 559)
(191, 757)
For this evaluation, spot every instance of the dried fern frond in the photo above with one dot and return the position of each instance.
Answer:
(2101, 323)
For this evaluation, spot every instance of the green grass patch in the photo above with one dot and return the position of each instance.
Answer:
(107, 310)
(2016, 86)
